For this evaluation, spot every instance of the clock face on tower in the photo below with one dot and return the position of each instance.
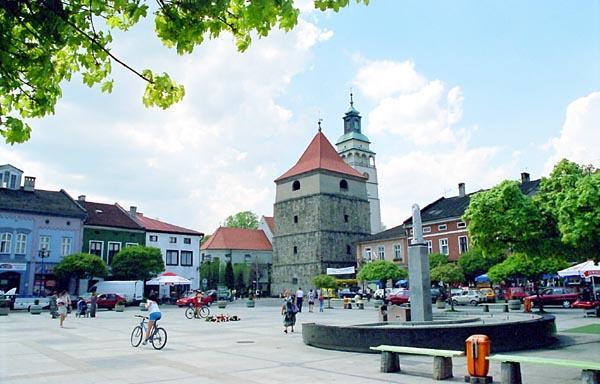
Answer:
(366, 174)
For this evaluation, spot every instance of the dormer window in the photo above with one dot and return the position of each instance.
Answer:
(295, 185)
(343, 185)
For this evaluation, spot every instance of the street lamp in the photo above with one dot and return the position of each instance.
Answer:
(42, 254)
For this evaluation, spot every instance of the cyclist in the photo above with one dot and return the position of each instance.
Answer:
(197, 303)
(153, 315)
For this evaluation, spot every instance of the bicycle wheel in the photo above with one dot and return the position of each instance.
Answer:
(136, 336)
(204, 311)
(189, 312)
(159, 339)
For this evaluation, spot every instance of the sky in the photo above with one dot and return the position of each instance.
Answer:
(449, 92)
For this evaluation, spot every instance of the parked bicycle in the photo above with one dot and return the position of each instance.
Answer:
(158, 338)
(203, 311)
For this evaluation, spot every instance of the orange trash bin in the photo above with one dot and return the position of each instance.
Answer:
(527, 305)
(478, 348)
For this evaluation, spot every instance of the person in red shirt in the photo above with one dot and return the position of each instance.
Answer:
(197, 303)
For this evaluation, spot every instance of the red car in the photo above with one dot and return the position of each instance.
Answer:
(398, 297)
(555, 296)
(107, 300)
(186, 300)
(515, 293)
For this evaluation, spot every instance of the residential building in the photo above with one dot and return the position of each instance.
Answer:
(321, 209)
(267, 225)
(238, 245)
(180, 247)
(108, 229)
(37, 229)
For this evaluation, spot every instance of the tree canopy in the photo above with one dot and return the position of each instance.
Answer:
(81, 265)
(437, 259)
(525, 266)
(382, 270)
(44, 43)
(246, 219)
(474, 263)
(229, 278)
(324, 281)
(137, 263)
(447, 273)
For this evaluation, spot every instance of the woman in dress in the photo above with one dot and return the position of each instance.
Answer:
(288, 311)
(63, 302)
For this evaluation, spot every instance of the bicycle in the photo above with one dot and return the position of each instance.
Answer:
(203, 311)
(158, 338)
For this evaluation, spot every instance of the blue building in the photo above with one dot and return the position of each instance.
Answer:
(37, 229)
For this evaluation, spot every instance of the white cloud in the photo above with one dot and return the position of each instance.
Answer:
(579, 138)
(382, 79)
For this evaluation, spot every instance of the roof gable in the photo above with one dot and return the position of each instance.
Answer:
(109, 215)
(153, 225)
(55, 203)
(239, 239)
(320, 154)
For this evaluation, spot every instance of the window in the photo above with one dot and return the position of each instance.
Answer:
(294, 281)
(153, 238)
(442, 227)
(247, 258)
(295, 185)
(381, 252)
(295, 250)
(463, 244)
(295, 219)
(5, 242)
(367, 253)
(429, 247)
(187, 240)
(348, 250)
(186, 258)
(172, 240)
(45, 242)
(172, 257)
(426, 230)
(444, 247)
(113, 249)
(13, 181)
(345, 218)
(21, 244)
(96, 248)
(65, 246)
(397, 252)
(461, 224)
(127, 245)
(343, 185)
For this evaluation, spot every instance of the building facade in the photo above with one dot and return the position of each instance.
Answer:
(388, 245)
(354, 148)
(37, 229)
(321, 209)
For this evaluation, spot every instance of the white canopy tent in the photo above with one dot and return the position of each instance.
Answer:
(168, 278)
(587, 270)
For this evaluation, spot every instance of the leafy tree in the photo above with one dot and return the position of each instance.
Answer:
(229, 280)
(81, 266)
(137, 263)
(474, 263)
(240, 272)
(381, 270)
(246, 219)
(43, 43)
(520, 265)
(449, 273)
(437, 259)
(325, 282)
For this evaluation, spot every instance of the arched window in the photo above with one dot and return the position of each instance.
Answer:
(371, 161)
(343, 185)
(296, 185)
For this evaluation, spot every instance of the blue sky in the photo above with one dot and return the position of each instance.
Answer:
(449, 92)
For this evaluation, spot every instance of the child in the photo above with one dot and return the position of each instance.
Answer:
(321, 301)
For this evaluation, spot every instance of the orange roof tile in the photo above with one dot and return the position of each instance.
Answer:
(153, 225)
(320, 154)
(238, 238)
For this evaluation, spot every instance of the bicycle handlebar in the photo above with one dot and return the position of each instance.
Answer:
(144, 317)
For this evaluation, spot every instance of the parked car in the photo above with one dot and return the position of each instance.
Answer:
(397, 296)
(470, 296)
(381, 293)
(489, 296)
(186, 300)
(515, 293)
(106, 300)
(554, 296)
(435, 293)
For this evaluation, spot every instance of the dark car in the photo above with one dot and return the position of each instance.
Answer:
(107, 300)
(554, 296)
(435, 294)
(186, 300)
(397, 297)
(342, 294)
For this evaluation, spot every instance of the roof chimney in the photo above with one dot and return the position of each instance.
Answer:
(29, 183)
(524, 177)
(132, 211)
(81, 198)
(461, 189)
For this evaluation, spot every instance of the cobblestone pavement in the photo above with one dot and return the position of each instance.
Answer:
(33, 349)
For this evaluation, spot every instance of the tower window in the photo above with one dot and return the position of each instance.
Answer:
(346, 218)
(295, 185)
(296, 219)
(295, 250)
(343, 185)
(348, 250)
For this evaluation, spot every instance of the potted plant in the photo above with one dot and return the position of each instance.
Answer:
(120, 306)
(250, 303)
(222, 304)
(4, 306)
(36, 308)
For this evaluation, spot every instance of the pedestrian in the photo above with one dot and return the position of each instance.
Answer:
(321, 299)
(53, 306)
(63, 302)
(299, 298)
(288, 311)
(154, 315)
(311, 300)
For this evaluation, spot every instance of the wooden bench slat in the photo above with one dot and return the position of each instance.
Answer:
(418, 351)
(548, 361)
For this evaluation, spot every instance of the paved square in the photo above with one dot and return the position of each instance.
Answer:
(33, 349)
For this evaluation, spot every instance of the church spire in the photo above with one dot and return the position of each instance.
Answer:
(352, 118)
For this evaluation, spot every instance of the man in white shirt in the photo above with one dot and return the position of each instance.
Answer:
(299, 296)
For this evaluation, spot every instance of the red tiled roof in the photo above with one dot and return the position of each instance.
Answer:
(238, 238)
(271, 223)
(320, 154)
(154, 225)
(108, 215)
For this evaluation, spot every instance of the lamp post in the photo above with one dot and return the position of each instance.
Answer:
(42, 254)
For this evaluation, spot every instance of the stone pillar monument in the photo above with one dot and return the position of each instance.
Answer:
(418, 272)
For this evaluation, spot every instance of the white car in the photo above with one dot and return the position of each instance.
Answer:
(471, 296)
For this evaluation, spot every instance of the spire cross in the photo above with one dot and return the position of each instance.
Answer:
(319, 122)
(351, 98)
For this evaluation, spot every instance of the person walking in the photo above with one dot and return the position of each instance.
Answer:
(311, 300)
(288, 311)
(154, 315)
(299, 298)
(63, 302)
(93, 304)
(321, 300)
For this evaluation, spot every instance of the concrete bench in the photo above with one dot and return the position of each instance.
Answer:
(442, 359)
(486, 306)
(510, 369)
